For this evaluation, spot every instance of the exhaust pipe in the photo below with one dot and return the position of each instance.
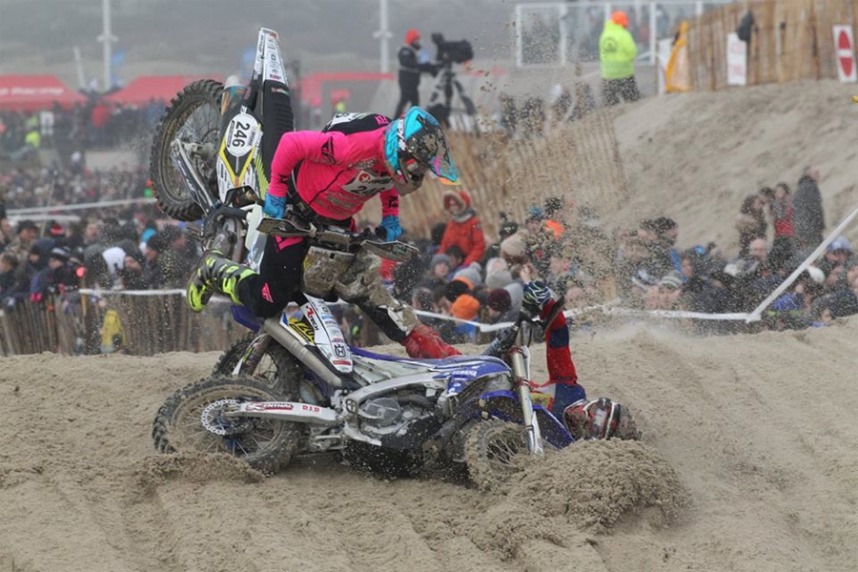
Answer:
(305, 356)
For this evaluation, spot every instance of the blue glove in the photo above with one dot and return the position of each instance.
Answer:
(390, 224)
(274, 206)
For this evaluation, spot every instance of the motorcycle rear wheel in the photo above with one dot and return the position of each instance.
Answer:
(193, 114)
(267, 445)
(494, 452)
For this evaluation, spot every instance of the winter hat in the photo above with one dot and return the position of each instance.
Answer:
(507, 229)
(147, 234)
(114, 258)
(466, 307)
(498, 279)
(60, 254)
(499, 300)
(439, 258)
(496, 264)
(460, 198)
(157, 242)
(471, 274)
(56, 230)
(514, 249)
(672, 281)
(27, 225)
(411, 36)
(840, 243)
(643, 279)
(620, 18)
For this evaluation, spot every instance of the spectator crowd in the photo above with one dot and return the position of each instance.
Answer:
(464, 275)
(93, 125)
(131, 246)
(461, 273)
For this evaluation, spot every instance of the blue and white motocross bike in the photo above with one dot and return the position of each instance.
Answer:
(381, 412)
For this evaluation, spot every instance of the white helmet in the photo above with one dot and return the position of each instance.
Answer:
(600, 419)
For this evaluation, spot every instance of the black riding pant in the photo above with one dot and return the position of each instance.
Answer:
(408, 93)
(614, 89)
(280, 281)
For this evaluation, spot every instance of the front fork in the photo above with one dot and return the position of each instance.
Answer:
(253, 354)
(521, 373)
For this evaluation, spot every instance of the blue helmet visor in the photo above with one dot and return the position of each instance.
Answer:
(425, 142)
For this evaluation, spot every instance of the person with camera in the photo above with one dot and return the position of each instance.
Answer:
(410, 68)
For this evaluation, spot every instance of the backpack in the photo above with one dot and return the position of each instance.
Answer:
(349, 123)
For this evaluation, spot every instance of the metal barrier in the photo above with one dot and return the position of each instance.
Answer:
(562, 33)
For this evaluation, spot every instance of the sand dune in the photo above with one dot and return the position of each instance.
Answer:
(748, 463)
(695, 157)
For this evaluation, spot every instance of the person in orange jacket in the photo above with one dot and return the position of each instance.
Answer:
(463, 228)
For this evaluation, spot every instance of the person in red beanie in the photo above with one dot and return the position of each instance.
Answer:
(410, 69)
(463, 228)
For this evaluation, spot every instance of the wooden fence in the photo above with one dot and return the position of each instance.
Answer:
(150, 325)
(790, 40)
(578, 160)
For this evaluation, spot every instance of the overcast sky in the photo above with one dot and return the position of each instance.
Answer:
(214, 33)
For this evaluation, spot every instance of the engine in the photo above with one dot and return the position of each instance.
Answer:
(402, 421)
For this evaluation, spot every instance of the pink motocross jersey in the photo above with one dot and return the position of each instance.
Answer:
(336, 172)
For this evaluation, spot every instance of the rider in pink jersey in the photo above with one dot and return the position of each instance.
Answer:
(338, 172)
(325, 178)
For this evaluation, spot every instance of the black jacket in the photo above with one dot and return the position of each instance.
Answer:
(410, 69)
(809, 218)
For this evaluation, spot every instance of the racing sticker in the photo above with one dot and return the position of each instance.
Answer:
(241, 134)
(367, 185)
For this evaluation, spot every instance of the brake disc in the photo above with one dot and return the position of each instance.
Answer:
(213, 420)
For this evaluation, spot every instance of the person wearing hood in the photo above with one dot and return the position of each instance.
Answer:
(617, 53)
(410, 68)
(463, 227)
(808, 214)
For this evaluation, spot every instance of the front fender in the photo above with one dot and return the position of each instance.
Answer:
(505, 405)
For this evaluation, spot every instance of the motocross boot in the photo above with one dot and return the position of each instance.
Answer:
(424, 342)
(215, 274)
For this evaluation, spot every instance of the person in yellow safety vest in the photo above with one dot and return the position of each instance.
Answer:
(33, 139)
(617, 53)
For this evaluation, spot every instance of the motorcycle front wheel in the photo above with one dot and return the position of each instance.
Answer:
(192, 420)
(494, 451)
(193, 116)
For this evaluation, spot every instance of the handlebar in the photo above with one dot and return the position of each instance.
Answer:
(504, 341)
(324, 236)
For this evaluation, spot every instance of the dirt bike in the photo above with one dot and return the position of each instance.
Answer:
(389, 414)
(295, 387)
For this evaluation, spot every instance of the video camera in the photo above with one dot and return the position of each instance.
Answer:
(452, 52)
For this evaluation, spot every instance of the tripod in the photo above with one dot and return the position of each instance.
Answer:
(444, 86)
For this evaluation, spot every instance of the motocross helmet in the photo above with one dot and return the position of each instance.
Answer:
(536, 296)
(414, 144)
(600, 419)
